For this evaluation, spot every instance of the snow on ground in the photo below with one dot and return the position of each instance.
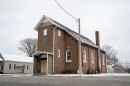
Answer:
(91, 75)
(70, 75)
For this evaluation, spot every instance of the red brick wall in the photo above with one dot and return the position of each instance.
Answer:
(63, 43)
(85, 65)
(103, 67)
(45, 43)
(93, 65)
(72, 44)
(59, 45)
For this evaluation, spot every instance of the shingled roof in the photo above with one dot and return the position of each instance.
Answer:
(84, 40)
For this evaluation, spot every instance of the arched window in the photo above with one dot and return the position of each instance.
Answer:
(45, 32)
(84, 56)
(68, 56)
(92, 57)
(103, 61)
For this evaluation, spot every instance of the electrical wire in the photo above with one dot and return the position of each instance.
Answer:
(65, 10)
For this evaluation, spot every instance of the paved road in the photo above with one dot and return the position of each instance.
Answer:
(63, 81)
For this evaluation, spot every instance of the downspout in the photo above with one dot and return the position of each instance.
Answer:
(53, 47)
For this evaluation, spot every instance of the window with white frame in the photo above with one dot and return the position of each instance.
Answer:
(103, 61)
(11, 66)
(68, 56)
(45, 32)
(14, 66)
(58, 53)
(26, 67)
(92, 57)
(84, 56)
(59, 33)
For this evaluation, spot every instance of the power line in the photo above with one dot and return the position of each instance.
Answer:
(65, 10)
(78, 20)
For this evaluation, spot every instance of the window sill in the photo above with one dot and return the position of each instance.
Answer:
(68, 61)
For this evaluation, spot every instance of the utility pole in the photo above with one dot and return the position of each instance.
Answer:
(80, 61)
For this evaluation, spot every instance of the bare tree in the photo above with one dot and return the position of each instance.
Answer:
(112, 59)
(28, 46)
(110, 53)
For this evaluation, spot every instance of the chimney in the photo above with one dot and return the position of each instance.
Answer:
(97, 38)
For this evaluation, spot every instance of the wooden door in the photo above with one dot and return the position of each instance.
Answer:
(43, 66)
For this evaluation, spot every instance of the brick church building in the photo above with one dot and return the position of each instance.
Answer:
(58, 50)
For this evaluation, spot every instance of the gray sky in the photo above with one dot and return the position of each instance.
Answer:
(110, 17)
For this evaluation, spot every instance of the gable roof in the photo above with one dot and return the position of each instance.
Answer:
(83, 39)
(17, 58)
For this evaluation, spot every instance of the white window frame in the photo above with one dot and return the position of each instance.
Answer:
(84, 56)
(11, 66)
(45, 32)
(103, 60)
(92, 58)
(26, 67)
(58, 53)
(69, 55)
(59, 32)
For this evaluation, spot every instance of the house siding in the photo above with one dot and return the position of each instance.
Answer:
(7, 70)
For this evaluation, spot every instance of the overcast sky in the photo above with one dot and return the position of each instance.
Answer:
(110, 17)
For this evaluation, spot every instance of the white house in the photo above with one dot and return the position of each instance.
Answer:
(15, 63)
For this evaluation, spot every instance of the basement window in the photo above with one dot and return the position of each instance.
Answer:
(45, 32)
(84, 56)
(92, 57)
(68, 56)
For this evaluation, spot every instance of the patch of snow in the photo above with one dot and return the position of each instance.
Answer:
(17, 58)
(90, 75)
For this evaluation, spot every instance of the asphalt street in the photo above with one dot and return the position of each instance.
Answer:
(64, 81)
